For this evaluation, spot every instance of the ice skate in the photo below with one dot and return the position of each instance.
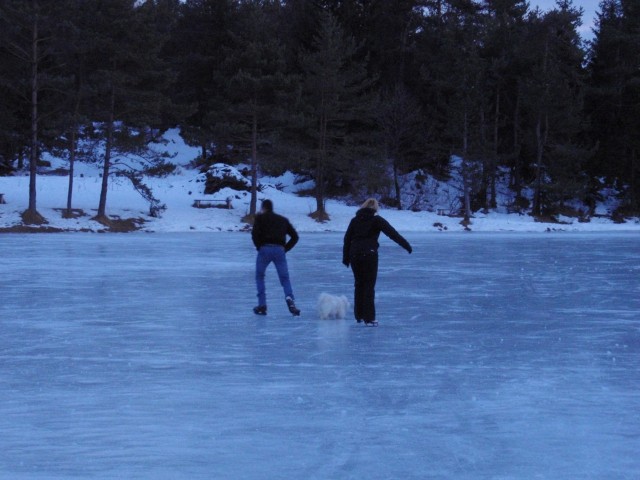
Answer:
(292, 307)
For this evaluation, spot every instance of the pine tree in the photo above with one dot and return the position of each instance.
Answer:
(613, 100)
(437, 48)
(73, 59)
(255, 67)
(502, 42)
(27, 31)
(454, 74)
(554, 93)
(389, 29)
(335, 100)
(400, 120)
(197, 50)
(13, 121)
(129, 78)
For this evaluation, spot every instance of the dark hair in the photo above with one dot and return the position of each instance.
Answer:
(267, 205)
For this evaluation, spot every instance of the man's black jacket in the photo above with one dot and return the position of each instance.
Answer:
(272, 229)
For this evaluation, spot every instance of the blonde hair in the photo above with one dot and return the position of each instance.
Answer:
(371, 203)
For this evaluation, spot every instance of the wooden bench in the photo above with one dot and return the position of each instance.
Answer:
(209, 202)
(2, 198)
(442, 211)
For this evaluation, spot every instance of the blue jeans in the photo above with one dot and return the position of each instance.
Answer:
(277, 255)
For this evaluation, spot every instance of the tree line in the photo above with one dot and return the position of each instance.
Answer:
(352, 93)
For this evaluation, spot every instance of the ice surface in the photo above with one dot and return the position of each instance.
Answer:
(498, 356)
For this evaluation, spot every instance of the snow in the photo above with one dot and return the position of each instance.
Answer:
(178, 192)
(498, 356)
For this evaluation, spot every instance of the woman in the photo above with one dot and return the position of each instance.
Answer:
(361, 252)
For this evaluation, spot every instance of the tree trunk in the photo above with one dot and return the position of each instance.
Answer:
(516, 173)
(396, 184)
(486, 162)
(72, 149)
(537, 193)
(635, 201)
(72, 160)
(465, 170)
(254, 165)
(493, 203)
(320, 214)
(102, 207)
(320, 189)
(541, 138)
(33, 159)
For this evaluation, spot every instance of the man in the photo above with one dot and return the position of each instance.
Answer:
(269, 235)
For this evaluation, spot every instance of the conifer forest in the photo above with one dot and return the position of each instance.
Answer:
(352, 94)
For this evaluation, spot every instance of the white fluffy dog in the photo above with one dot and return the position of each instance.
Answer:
(332, 306)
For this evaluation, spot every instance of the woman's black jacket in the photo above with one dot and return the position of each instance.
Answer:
(363, 233)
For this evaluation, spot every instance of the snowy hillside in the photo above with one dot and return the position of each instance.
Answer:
(179, 190)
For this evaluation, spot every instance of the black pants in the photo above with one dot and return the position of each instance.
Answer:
(365, 273)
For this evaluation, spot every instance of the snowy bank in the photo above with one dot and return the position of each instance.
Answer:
(179, 190)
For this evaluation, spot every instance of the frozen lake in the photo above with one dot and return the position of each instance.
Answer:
(498, 356)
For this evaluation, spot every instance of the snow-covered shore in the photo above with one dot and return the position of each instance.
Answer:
(179, 190)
